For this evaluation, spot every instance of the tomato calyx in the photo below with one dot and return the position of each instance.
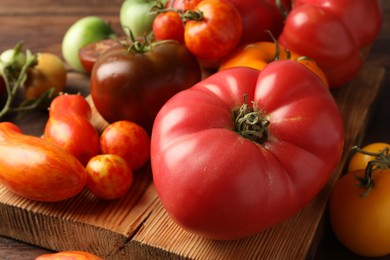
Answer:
(381, 161)
(250, 123)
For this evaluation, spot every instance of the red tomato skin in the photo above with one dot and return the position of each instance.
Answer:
(217, 34)
(168, 26)
(128, 140)
(69, 127)
(204, 171)
(334, 51)
(258, 17)
(69, 255)
(89, 53)
(108, 176)
(363, 19)
(37, 169)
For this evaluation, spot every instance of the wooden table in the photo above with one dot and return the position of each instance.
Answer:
(41, 24)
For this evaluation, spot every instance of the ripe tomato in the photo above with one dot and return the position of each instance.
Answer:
(258, 17)
(214, 155)
(133, 84)
(258, 55)
(362, 223)
(168, 26)
(128, 140)
(108, 176)
(69, 126)
(36, 169)
(74, 255)
(373, 151)
(330, 32)
(212, 30)
(89, 53)
(50, 72)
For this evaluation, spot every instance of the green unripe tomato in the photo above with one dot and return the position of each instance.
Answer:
(134, 16)
(84, 31)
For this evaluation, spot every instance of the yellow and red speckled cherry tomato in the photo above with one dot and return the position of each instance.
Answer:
(109, 176)
(128, 140)
(69, 255)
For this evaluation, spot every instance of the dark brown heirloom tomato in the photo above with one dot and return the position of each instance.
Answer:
(133, 82)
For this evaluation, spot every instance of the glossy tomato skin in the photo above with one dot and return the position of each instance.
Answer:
(360, 160)
(218, 184)
(168, 26)
(69, 126)
(134, 86)
(37, 169)
(362, 223)
(334, 51)
(108, 176)
(128, 140)
(258, 17)
(363, 19)
(74, 255)
(328, 32)
(88, 54)
(258, 54)
(217, 34)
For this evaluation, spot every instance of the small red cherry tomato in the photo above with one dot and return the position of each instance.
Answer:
(128, 140)
(108, 176)
(168, 26)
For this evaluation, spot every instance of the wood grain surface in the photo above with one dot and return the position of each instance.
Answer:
(41, 25)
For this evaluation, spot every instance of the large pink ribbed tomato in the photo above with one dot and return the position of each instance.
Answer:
(243, 150)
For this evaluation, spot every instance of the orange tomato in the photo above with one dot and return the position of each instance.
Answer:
(361, 223)
(108, 176)
(74, 255)
(258, 55)
(37, 169)
(360, 159)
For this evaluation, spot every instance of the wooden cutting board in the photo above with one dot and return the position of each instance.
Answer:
(137, 226)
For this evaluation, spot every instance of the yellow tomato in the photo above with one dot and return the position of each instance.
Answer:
(258, 55)
(360, 159)
(362, 223)
(48, 73)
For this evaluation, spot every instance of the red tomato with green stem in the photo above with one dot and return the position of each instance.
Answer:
(128, 140)
(69, 126)
(108, 176)
(226, 166)
(132, 82)
(212, 30)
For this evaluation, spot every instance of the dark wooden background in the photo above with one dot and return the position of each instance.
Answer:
(41, 24)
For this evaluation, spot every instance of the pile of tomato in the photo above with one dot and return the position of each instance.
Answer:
(229, 100)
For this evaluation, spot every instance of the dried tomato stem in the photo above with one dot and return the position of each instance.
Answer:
(381, 161)
(250, 123)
